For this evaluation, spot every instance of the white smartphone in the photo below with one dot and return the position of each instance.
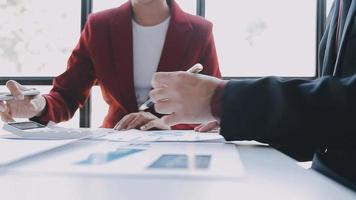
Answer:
(34, 130)
(7, 96)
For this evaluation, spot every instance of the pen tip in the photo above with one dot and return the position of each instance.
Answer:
(142, 107)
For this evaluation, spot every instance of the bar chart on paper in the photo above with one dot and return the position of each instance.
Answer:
(162, 136)
(171, 160)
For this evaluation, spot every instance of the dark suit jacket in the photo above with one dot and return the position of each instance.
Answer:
(304, 116)
(104, 55)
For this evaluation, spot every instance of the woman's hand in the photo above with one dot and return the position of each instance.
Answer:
(21, 106)
(208, 127)
(140, 120)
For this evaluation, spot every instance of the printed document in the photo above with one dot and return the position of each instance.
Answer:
(157, 159)
(162, 136)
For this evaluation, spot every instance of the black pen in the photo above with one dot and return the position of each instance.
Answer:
(195, 69)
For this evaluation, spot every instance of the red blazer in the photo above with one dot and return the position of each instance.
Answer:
(104, 55)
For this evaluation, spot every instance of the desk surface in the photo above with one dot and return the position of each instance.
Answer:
(269, 175)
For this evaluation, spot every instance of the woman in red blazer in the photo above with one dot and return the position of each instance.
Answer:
(105, 56)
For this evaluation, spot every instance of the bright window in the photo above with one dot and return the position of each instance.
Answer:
(99, 108)
(259, 37)
(99, 5)
(36, 36)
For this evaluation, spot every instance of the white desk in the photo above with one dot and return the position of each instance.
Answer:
(269, 175)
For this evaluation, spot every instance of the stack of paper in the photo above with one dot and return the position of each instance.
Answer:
(162, 136)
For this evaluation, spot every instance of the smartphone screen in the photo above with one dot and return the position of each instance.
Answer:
(26, 125)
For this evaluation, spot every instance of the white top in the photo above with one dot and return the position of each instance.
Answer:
(148, 43)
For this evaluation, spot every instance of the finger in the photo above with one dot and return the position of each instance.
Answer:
(213, 127)
(160, 94)
(118, 125)
(151, 124)
(5, 113)
(6, 117)
(15, 89)
(137, 122)
(198, 127)
(161, 79)
(21, 87)
(171, 120)
(2, 107)
(208, 127)
(123, 125)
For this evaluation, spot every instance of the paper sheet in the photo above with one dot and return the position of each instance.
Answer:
(162, 136)
(12, 150)
(169, 160)
(53, 132)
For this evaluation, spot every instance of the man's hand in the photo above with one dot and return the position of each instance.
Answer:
(21, 106)
(140, 120)
(183, 97)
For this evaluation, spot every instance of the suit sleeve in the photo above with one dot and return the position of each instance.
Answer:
(314, 113)
(72, 88)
